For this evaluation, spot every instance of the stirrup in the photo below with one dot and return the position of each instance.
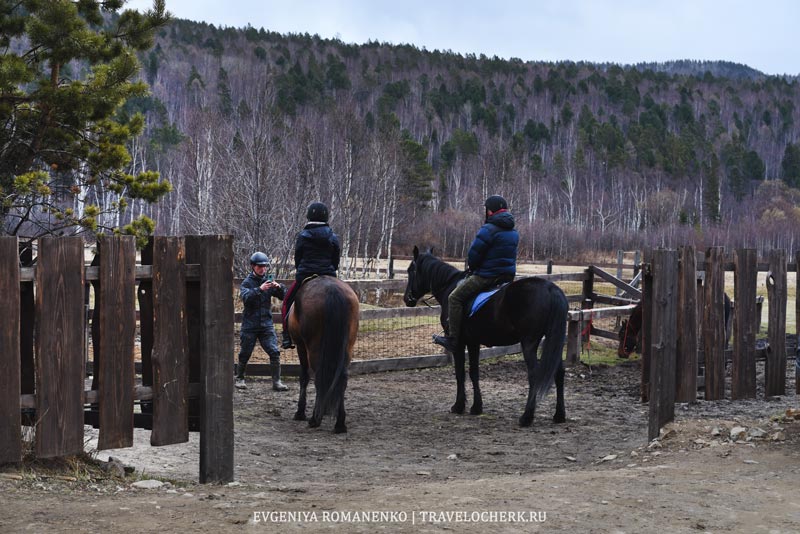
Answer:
(448, 342)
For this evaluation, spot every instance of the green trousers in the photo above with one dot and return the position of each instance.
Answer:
(463, 293)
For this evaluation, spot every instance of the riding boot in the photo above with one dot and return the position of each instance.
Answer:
(238, 375)
(286, 339)
(275, 370)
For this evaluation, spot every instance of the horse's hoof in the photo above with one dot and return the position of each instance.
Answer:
(457, 408)
(313, 423)
(476, 410)
(340, 429)
(299, 416)
(525, 421)
(559, 418)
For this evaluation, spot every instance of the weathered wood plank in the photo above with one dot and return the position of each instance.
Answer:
(686, 362)
(600, 313)
(216, 280)
(714, 324)
(647, 308)
(775, 369)
(664, 340)
(144, 295)
(627, 288)
(10, 366)
(170, 359)
(117, 305)
(59, 347)
(743, 367)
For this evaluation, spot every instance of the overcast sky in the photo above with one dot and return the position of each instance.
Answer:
(760, 33)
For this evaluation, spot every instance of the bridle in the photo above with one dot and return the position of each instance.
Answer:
(410, 288)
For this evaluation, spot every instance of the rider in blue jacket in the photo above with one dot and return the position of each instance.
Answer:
(492, 260)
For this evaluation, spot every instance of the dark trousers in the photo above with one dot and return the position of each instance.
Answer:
(269, 342)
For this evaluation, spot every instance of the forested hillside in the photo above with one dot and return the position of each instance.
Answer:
(404, 144)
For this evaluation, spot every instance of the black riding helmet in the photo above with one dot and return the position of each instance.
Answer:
(495, 203)
(317, 212)
(259, 258)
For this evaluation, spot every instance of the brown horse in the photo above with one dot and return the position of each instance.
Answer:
(323, 322)
(630, 333)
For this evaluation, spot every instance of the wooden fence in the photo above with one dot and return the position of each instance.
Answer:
(186, 323)
(675, 302)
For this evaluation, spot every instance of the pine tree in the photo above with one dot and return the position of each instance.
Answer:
(66, 68)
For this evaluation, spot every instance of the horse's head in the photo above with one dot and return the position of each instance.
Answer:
(629, 333)
(417, 286)
(627, 340)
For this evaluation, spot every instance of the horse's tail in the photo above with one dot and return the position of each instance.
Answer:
(330, 378)
(553, 342)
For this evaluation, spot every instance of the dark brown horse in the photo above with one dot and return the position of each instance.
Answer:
(630, 331)
(323, 323)
(523, 312)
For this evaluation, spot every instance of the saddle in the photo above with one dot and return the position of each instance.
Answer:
(483, 297)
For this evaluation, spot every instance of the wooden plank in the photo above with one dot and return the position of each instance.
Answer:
(117, 305)
(600, 313)
(743, 367)
(170, 359)
(612, 300)
(216, 416)
(664, 340)
(10, 366)
(775, 369)
(627, 288)
(573, 343)
(59, 347)
(686, 362)
(714, 324)
(647, 308)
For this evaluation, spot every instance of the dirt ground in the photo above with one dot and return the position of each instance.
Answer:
(430, 470)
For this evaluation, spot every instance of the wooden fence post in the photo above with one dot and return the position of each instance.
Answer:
(59, 343)
(714, 324)
(743, 366)
(215, 256)
(170, 363)
(10, 384)
(114, 356)
(588, 301)
(664, 342)
(686, 363)
(620, 258)
(775, 367)
(647, 308)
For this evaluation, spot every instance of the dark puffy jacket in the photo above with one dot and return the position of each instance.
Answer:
(494, 250)
(257, 304)
(316, 251)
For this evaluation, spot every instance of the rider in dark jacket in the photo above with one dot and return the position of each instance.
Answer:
(492, 260)
(256, 292)
(316, 252)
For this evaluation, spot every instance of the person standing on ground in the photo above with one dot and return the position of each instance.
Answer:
(256, 293)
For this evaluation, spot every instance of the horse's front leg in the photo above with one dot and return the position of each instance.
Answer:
(561, 412)
(477, 398)
(461, 396)
(300, 414)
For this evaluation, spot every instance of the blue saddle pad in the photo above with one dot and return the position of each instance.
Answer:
(481, 299)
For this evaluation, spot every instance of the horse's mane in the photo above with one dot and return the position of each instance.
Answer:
(441, 274)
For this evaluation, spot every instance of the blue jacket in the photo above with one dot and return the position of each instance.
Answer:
(316, 251)
(257, 304)
(494, 250)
